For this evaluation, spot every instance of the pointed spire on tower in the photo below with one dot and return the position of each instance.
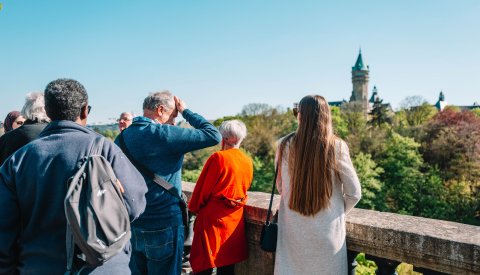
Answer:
(441, 97)
(374, 95)
(441, 103)
(359, 65)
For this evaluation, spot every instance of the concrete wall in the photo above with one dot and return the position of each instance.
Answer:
(442, 246)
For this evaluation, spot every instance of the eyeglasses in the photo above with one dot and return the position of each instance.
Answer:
(295, 109)
(89, 108)
(124, 119)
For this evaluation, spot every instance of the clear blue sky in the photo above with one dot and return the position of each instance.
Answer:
(221, 55)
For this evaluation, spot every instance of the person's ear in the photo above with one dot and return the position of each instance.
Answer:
(160, 110)
(84, 112)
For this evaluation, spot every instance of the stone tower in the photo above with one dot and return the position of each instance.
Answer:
(360, 83)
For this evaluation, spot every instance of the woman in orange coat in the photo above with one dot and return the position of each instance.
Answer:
(218, 199)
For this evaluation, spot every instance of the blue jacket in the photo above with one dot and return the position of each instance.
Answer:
(160, 147)
(33, 185)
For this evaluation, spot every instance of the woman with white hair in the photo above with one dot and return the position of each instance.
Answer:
(218, 199)
(36, 119)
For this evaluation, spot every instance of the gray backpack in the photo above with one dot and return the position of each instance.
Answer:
(97, 218)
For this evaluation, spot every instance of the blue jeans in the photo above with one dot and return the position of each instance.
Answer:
(157, 251)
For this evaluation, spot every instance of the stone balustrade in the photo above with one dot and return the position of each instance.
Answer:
(431, 246)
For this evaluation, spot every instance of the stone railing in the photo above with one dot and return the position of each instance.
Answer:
(431, 246)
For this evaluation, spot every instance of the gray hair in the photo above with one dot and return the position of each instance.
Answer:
(153, 100)
(234, 130)
(127, 114)
(34, 107)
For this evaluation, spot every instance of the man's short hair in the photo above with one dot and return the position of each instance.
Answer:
(34, 107)
(64, 99)
(153, 100)
(130, 114)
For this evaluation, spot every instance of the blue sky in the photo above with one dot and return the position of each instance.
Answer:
(221, 55)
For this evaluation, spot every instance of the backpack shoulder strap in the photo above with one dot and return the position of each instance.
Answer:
(144, 170)
(97, 145)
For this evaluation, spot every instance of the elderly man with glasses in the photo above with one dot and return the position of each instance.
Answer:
(157, 144)
(125, 120)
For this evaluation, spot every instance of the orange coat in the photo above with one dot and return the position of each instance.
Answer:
(218, 200)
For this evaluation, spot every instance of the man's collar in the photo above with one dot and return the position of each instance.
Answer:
(143, 119)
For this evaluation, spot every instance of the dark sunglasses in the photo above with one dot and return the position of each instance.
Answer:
(295, 109)
(89, 108)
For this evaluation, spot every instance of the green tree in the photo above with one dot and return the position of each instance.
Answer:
(463, 203)
(369, 176)
(452, 143)
(193, 163)
(417, 110)
(191, 175)
(402, 164)
(414, 114)
(357, 125)
(196, 159)
(111, 134)
(380, 114)
(372, 140)
(265, 125)
(340, 125)
(453, 108)
(263, 173)
(476, 111)
(420, 114)
(254, 109)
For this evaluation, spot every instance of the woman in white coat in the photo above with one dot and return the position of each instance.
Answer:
(318, 187)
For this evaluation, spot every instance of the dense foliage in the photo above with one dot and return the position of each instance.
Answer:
(416, 161)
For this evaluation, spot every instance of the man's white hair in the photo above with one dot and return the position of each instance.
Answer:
(235, 130)
(130, 114)
(34, 107)
(164, 98)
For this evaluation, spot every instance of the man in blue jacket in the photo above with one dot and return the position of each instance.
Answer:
(154, 141)
(33, 185)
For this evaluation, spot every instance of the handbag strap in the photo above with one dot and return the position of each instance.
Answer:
(144, 170)
(271, 197)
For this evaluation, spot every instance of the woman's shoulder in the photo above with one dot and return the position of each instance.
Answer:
(216, 156)
(341, 146)
(230, 153)
(285, 139)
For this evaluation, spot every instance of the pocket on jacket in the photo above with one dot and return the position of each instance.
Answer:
(158, 244)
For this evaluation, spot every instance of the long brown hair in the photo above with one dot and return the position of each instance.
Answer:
(311, 158)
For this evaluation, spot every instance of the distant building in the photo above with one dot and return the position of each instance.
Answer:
(360, 79)
(442, 103)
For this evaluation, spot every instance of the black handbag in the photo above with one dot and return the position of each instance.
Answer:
(182, 200)
(268, 237)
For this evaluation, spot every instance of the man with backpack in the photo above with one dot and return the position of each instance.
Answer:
(33, 187)
(156, 146)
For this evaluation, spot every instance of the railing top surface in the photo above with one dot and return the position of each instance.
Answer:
(439, 229)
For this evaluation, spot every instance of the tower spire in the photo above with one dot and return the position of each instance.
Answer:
(359, 65)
